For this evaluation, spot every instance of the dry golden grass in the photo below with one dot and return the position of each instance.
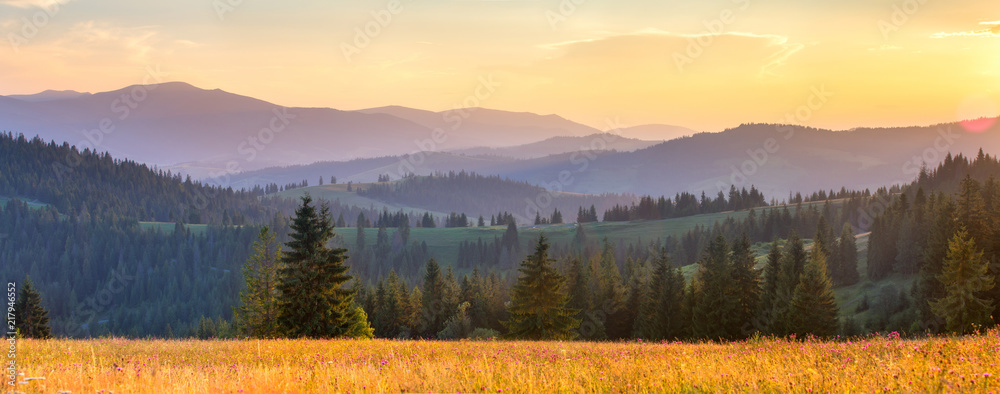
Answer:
(967, 364)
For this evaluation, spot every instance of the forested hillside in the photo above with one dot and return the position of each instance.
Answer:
(100, 275)
(480, 195)
(102, 271)
(487, 196)
(914, 237)
(86, 183)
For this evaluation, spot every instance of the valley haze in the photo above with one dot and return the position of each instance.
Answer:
(240, 141)
(565, 196)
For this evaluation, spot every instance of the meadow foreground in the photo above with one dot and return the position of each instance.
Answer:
(966, 364)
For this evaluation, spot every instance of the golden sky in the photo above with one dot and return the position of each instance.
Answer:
(707, 65)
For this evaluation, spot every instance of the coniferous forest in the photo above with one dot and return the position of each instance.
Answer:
(505, 197)
(85, 240)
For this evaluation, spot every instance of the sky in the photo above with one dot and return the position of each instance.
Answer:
(707, 65)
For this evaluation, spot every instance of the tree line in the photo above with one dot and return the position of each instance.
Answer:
(683, 204)
(480, 195)
(949, 241)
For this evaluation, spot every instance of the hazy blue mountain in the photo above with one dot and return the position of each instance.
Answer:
(808, 160)
(557, 145)
(202, 132)
(49, 95)
(655, 132)
(482, 127)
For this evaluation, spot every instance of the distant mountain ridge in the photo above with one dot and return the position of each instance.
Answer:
(809, 159)
(202, 132)
(49, 95)
(656, 132)
(560, 145)
(207, 133)
(472, 127)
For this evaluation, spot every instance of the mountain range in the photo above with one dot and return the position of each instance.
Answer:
(196, 131)
(205, 133)
(808, 159)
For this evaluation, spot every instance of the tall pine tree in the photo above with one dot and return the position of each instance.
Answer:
(32, 318)
(434, 309)
(792, 264)
(538, 303)
(715, 314)
(746, 286)
(662, 314)
(257, 314)
(964, 279)
(769, 295)
(845, 271)
(314, 302)
(814, 307)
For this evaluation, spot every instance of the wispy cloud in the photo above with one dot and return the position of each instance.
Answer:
(992, 31)
(768, 52)
(32, 3)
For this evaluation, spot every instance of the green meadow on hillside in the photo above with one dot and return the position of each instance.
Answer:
(31, 203)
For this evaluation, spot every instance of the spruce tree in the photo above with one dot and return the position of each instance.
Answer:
(928, 287)
(580, 238)
(610, 297)
(662, 315)
(32, 318)
(715, 311)
(360, 239)
(434, 309)
(314, 303)
(769, 293)
(846, 253)
(971, 211)
(792, 264)
(633, 301)
(964, 279)
(746, 285)
(824, 237)
(814, 308)
(538, 302)
(581, 299)
(257, 313)
(510, 240)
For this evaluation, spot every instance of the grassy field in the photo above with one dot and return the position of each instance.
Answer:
(445, 241)
(966, 364)
(168, 228)
(31, 203)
